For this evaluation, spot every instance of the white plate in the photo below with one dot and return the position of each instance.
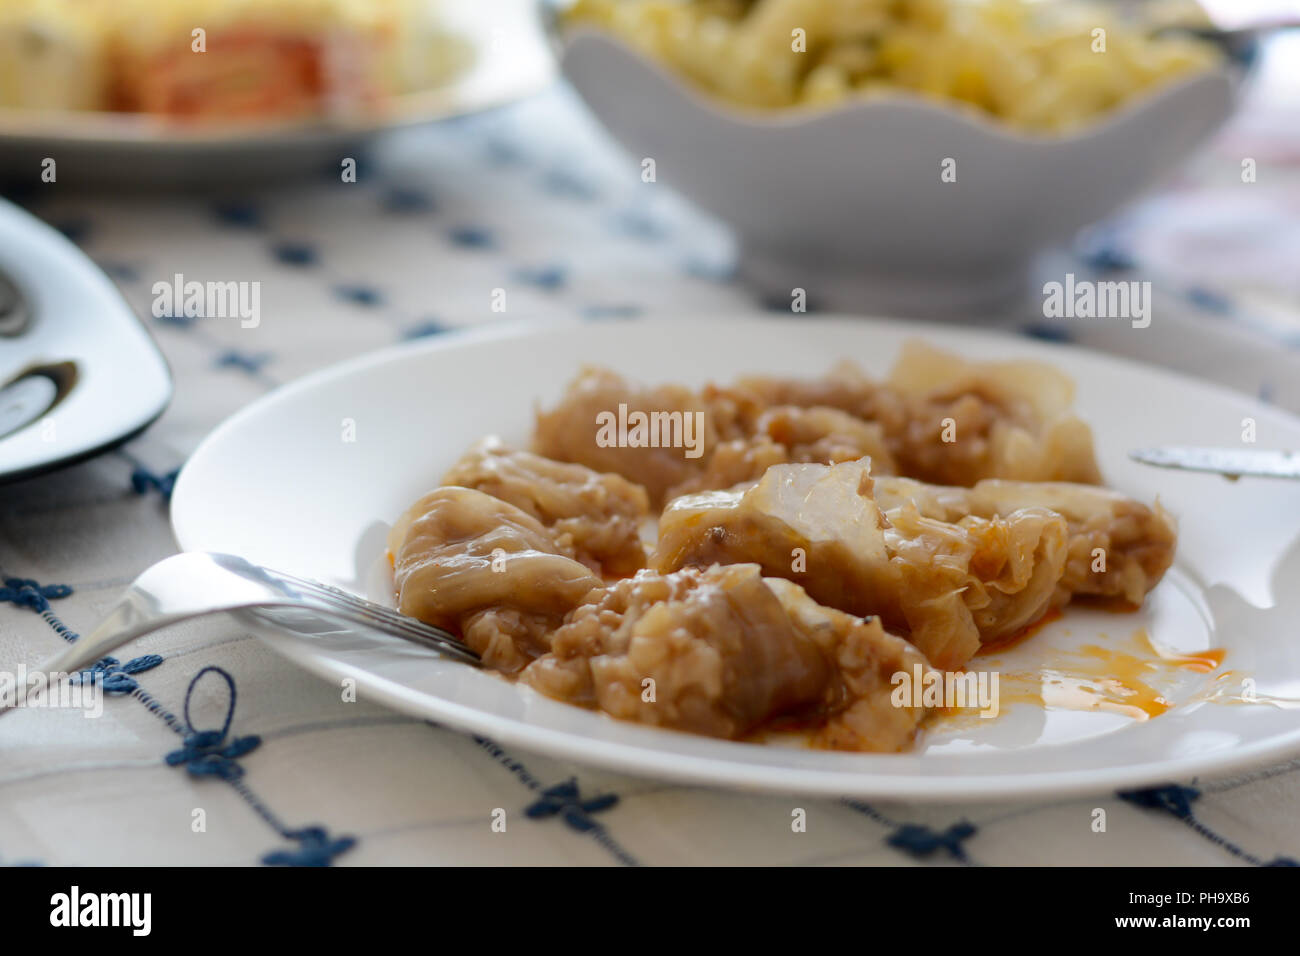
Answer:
(500, 52)
(280, 484)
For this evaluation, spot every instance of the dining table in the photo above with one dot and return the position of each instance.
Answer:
(213, 750)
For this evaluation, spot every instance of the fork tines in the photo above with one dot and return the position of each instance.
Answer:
(383, 617)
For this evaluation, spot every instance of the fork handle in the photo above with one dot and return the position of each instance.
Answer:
(122, 625)
(114, 631)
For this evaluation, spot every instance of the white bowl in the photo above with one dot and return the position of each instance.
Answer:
(848, 204)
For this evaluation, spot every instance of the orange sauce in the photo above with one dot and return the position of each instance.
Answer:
(1020, 636)
(1105, 679)
(1110, 605)
(1202, 662)
(1124, 678)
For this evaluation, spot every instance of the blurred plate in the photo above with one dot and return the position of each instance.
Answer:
(307, 479)
(496, 52)
(78, 372)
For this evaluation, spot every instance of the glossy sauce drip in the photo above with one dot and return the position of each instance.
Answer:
(1202, 662)
(1125, 678)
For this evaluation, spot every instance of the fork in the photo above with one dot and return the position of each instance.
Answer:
(199, 583)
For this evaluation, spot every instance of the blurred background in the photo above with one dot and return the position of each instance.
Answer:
(379, 169)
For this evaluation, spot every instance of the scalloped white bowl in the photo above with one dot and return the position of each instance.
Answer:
(848, 204)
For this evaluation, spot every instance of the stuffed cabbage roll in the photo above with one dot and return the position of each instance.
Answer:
(722, 651)
(944, 419)
(948, 586)
(595, 516)
(937, 418)
(478, 566)
(656, 437)
(1006, 420)
(1118, 548)
(787, 434)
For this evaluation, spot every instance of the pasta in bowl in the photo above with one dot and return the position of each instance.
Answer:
(1036, 67)
(867, 151)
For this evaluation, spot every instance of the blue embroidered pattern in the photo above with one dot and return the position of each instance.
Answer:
(76, 230)
(423, 330)
(291, 253)
(921, 841)
(1101, 251)
(626, 311)
(315, 848)
(24, 592)
(203, 753)
(143, 481)
(118, 677)
(362, 295)
(206, 753)
(564, 183)
(240, 214)
(1047, 332)
(548, 278)
(1177, 801)
(472, 237)
(638, 224)
(250, 362)
(121, 271)
(1209, 300)
(400, 199)
(177, 320)
(563, 800)
(27, 593)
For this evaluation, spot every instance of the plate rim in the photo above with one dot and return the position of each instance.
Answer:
(649, 762)
(655, 764)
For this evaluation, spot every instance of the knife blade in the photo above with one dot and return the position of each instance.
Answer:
(1229, 462)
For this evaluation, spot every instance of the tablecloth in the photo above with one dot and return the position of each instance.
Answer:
(536, 199)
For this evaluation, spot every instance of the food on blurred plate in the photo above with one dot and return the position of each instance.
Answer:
(938, 418)
(210, 60)
(804, 559)
(1046, 67)
(52, 56)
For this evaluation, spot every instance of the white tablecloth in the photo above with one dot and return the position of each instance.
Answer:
(533, 198)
